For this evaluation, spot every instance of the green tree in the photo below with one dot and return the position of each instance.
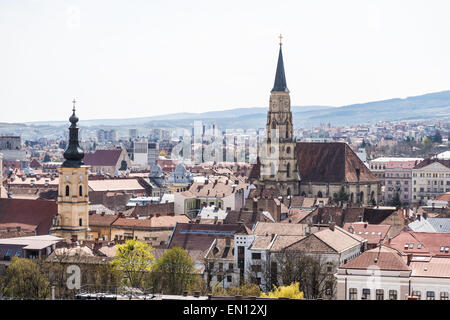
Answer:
(174, 271)
(437, 137)
(47, 158)
(247, 289)
(341, 196)
(23, 279)
(134, 258)
(396, 202)
(291, 291)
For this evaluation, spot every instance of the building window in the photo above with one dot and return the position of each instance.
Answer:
(219, 278)
(81, 222)
(229, 279)
(444, 295)
(256, 268)
(81, 191)
(67, 191)
(353, 293)
(220, 266)
(365, 294)
(256, 256)
(417, 294)
(379, 294)
(392, 294)
(230, 266)
(430, 295)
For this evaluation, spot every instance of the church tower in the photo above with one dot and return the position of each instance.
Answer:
(72, 220)
(279, 164)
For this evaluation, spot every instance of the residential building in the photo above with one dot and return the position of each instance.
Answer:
(430, 178)
(398, 180)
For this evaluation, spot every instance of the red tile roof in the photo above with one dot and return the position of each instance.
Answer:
(431, 243)
(372, 232)
(330, 162)
(379, 259)
(429, 161)
(102, 157)
(28, 214)
(191, 236)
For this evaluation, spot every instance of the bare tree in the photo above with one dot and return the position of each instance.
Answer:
(314, 274)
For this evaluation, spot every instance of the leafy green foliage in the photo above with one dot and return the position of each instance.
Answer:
(174, 271)
(291, 291)
(23, 279)
(134, 258)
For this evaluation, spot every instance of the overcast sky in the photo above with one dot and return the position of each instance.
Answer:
(132, 58)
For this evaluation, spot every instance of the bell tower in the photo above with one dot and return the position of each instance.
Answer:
(72, 220)
(279, 164)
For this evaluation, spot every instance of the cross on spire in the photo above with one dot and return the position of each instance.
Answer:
(74, 101)
(281, 37)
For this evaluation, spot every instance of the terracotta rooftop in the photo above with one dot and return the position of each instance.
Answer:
(285, 229)
(115, 185)
(221, 250)
(28, 214)
(330, 162)
(379, 259)
(372, 232)
(429, 161)
(192, 236)
(102, 157)
(422, 243)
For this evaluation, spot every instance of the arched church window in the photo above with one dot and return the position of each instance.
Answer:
(288, 150)
(67, 191)
(288, 170)
(319, 194)
(80, 191)
(288, 191)
(272, 170)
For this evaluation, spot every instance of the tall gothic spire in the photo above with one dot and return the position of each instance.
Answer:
(280, 78)
(73, 154)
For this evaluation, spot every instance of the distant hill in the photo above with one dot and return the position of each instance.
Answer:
(427, 106)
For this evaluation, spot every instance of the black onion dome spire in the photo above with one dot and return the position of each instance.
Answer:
(73, 154)
(280, 77)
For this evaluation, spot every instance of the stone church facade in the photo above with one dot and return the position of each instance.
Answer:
(308, 169)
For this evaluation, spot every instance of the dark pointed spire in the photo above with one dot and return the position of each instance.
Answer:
(280, 77)
(73, 154)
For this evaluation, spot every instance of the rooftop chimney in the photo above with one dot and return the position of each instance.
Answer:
(332, 225)
(409, 258)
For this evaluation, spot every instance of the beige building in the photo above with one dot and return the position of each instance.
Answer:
(430, 178)
(216, 191)
(72, 220)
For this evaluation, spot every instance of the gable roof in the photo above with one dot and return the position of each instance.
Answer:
(372, 232)
(431, 243)
(339, 239)
(192, 236)
(383, 258)
(28, 214)
(333, 162)
(429, 161)
(102, 157)
(285, 229)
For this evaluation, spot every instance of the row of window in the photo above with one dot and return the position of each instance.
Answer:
(80, 191)
(432, 175)
(379, 294)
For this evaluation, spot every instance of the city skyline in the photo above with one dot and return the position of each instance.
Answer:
(128, 63)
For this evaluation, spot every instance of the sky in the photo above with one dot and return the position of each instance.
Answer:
(123, 59)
